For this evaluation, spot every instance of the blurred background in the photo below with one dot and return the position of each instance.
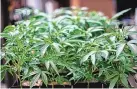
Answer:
(108, 7)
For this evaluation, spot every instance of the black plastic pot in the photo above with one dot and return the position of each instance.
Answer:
(94, 85)
(77, 85)
(73, 84)
(43, 86)
(88, 85)
(80, 85)
(62, 86)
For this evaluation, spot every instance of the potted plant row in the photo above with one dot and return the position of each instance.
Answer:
(70, 48)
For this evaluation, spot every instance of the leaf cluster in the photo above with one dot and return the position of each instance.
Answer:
(74, 46)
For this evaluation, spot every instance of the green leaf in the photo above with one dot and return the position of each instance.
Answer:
(44, 49)
(34, 80)
(75, 41)
(13, 33)
(93, 59)
(68, 44)
(47, 64)
(3, 73)
(44, 78)
(113, 82)
(9, 28)
(56, 46)
(133, 48)
(105, 53)
(37, 44)
(94, 22)
(26, 70)
(46, 72)
(54, 67)
(28, 75)
(120, 49)
(97, 29)
(113, 39)
(124, 80)
(105, 34)
(60, 79)
(76, 36)
(2, 55)
(111, 76)
(85, 58)
(100, 72)
(94, 29)
(4, 35)
(120, 13)
(130, 69)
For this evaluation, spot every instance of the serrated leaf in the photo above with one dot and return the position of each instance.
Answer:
(9, 28)
(105, 34)
(54, 67)
(93, 59)
(26, 70)
(76, 36)
(94, 22)
(124, 80)
(44, 49)
(131, 69)
(105, 53)
(113, 82)
(120, 13)
(113, 39)
(47, 64)
(97, 29)
(37, 44)
(2, 55)
(3, 73)
(100, 72)
(80, 41)
(28, 75)
(44, 78)
(34, 80)
(56, 46)
(133, 48)
(4, 35)
(46, 72)
(13, 33)
(120, 49)
(111, 76)
(85, 58)
(66, 43)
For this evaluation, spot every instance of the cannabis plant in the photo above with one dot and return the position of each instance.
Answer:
(71, 45)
